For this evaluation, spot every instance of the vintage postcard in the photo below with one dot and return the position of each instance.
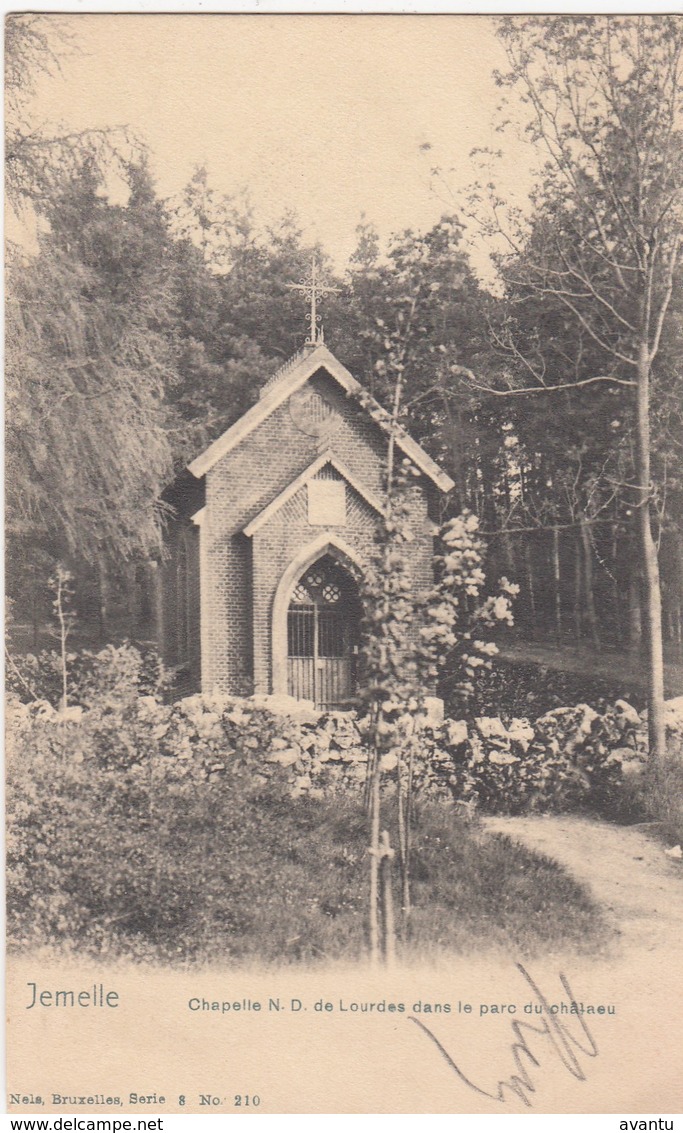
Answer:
(344, 535)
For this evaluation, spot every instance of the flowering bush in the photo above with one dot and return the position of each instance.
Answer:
(459, 612)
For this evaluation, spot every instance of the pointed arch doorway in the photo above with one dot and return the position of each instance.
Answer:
(323, 635)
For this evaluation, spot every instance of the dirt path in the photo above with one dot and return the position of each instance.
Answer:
(640, 888)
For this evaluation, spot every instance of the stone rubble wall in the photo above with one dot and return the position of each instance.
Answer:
(568, 758)
(565, 755)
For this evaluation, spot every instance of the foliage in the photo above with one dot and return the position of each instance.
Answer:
(415, 639)
(89, 358)
(601, 253)
(38, 161)
(142, 329)
(36, 676)
(251, 267)
(460, 612)
(418, 305)
(133, 864)
(568, 758)
(414, 326)
(660, 793)
(127, 836)
(408, 637)
(412, 640)
(214, 222)
(65, 617)
(109, 676)
(512, 688)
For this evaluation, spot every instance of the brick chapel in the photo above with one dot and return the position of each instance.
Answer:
(274, 527)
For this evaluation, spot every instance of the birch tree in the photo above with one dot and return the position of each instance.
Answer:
(605, 106)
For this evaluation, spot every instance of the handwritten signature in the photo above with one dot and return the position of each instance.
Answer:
(566, 1046)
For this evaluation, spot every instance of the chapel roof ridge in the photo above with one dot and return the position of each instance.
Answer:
(286, 381)
(287, 366)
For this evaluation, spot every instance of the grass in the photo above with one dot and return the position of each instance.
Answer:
(661, 796)
(473, 888)
(243, 874)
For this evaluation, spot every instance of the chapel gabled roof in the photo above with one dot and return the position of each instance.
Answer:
(326, 459)
(284, 383)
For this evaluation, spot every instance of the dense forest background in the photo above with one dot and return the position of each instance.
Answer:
(137, 332)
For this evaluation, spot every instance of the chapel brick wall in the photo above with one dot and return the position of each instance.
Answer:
(180, 647)
(238, 616)
(277, 543)
(194, 608)
(288, 531)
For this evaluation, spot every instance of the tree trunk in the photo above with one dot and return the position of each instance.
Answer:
(616, 590)
(591, 615)
(529, 570)
(677, 625)
(35, 623)
(577, 591)
(635, 621)
(375, 823)
(508, 555)
(455, 432)
(652, 599)
(677, 593)
(155, 586)
(406, 898)
(557, 584)
(63, 634)
(133, 600)
(103, 578)
(388, 926)
(401, 816)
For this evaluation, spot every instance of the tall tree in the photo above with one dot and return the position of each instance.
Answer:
(86, 437)
(605, 103)
(40, 157)
(421, 301)
(90, 355)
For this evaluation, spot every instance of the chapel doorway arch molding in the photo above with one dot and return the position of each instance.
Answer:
(316, 625)
(323, 635)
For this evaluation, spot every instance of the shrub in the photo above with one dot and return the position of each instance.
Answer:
(141, 852)
(661, 793)
(659, 789)
(110, 854)
(115, 672)
(512, 688)
(570, 758)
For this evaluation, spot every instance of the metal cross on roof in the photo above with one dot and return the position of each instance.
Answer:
(313, 289)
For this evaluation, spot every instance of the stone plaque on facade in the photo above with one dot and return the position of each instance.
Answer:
(327, 502)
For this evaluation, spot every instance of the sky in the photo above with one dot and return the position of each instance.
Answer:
(329, 116)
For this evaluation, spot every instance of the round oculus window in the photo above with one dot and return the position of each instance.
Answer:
(311, 413)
